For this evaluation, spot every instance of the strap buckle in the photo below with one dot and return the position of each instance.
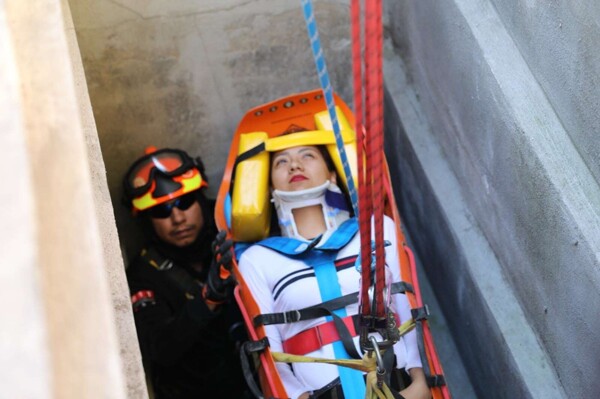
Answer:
(421, 313)
(292, 316)
(436, 380)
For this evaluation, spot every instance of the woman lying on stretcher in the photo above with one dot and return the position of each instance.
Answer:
(313, 261)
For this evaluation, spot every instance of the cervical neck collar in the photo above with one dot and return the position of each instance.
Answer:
(328, 195)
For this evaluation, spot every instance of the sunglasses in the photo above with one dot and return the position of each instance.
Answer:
(163, 211)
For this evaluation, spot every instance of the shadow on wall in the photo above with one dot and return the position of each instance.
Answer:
(181, 75)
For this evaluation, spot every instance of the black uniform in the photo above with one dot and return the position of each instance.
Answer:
(188, 350)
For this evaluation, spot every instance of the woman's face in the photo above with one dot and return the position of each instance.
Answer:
(299, 168)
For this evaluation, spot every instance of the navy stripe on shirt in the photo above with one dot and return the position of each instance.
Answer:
(340, 264)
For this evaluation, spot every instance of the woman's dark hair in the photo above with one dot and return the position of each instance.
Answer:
(327, 158)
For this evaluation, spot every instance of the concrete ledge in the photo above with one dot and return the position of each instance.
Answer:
(65, 269)
(131, 358)
(522, 179)
(500, 350)
(24, 356)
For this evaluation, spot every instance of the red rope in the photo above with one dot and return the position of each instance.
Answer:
(371, 159)
(377, 153)
(363, 193)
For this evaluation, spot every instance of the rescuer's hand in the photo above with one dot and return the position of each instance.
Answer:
(220, 279)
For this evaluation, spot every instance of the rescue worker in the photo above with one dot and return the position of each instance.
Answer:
(187, 326)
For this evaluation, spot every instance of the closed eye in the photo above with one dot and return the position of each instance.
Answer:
(280, 161)
(308, 152)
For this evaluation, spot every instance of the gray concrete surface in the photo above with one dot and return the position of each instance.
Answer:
(494, 339)
(524, 180)
(183, 74)
(560, 42)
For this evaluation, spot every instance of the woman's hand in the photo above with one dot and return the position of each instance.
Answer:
(305, 395)
(418, 388)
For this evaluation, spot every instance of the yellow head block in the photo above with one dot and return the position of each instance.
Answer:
(250, 207)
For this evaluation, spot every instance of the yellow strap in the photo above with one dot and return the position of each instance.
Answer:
(312, 137)
(350, 363)
(407, 327)
(373, 391)
(367, 364)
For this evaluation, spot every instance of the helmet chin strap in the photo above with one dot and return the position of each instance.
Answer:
(328, 195)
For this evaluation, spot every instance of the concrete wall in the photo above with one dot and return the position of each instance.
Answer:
(559, 41)
(23, 347)
(496, 146)
(182, 74)
(509, 95)
(129, 351)
(59, 336)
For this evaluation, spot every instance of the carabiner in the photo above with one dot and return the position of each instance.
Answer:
(378, 358)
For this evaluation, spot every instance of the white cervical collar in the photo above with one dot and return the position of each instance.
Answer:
(286, 201)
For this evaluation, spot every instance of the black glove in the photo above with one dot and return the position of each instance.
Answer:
(220, 279)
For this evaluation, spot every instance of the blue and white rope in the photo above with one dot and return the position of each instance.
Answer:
(315, 43)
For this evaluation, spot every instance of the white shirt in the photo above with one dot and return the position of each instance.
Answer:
(279, 283)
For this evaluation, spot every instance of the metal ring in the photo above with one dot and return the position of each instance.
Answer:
(380, 367)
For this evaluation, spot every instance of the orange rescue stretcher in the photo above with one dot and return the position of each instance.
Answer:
(244, 211)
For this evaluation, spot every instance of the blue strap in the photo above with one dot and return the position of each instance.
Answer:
(240, 248)
(315, 43)
(341, 236)
(287, 246)
(293, 247)
(352, 381)
(322, 260)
